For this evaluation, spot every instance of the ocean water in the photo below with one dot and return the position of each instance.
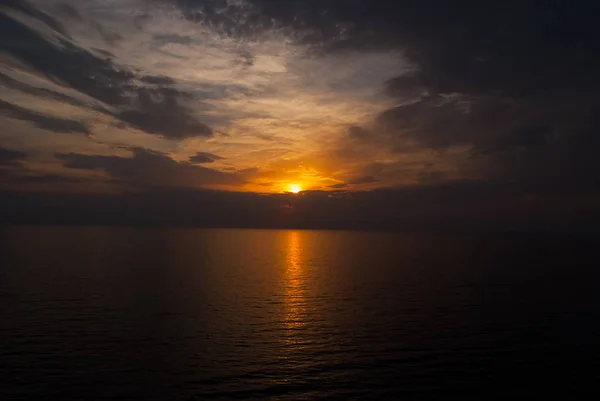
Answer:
(202, 314)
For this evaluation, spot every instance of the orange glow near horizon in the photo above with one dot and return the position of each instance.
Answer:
(294, 188)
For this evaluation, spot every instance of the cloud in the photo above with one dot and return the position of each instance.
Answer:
(369, 179)
(17, 175)
(203, 157)
(357, 133)
(27, 9)
(458, 206)
(11, 83)
(185, 76)
(174, 38)
(469, 104)
(485, 79)
(525, 138)
(542, 163)
(147, 169)
(235, 19)
(24, 179)
(475, 48)
(150, 103)
(157, 111)
(8, 156)
(48, 123)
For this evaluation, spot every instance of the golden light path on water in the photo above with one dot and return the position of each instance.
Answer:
(296, 300)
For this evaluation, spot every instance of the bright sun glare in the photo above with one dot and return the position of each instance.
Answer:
(294, 188)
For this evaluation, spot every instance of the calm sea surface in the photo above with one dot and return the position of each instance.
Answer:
(193, 314)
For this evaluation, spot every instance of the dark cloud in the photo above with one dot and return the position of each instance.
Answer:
(158, 111)
(27, 9)
(69, 11)
(50, 179)
(148, 168)
(566, 164)
(156, 108)
(9, 82)
(16, 176)
(109, 37)
(357, 133)
(468, 46)
(369, 179)
(49, 123)
(157, 80)
(500, 76)
(23, 178)
(227, 18)
(432, 177)
(8, 156)
(407, 86)
(203, 157)
(486, 122)
(526, 138)
(457, 206)
(245, 59)
(77, 67)
(434, 122)
(172, 38)
(512, 83)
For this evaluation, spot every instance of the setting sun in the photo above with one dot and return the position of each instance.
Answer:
(294, 188)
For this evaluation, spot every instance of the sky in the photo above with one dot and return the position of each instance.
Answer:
(406, 114)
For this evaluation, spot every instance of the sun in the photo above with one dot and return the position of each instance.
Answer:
(294, 188)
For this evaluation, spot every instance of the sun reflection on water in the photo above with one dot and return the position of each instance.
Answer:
(295, 294)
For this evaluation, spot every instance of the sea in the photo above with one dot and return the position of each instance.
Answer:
(117, 313)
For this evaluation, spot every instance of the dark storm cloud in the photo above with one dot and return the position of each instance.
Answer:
(16, 175)
(407, 86)
(226, 18)
(458, 206)
(158, 111)
(148, 168)
(48, 123)
(50, 179)
(19, 178)
(27, 9)
(357, 133)
(474, 47)
(369, 179)
(464, 46)
(8, 156)
(77, 67)
(11, 83)
(203, 157)
(69, 11)
(433, 122)
(488, 122)
(157, 80)
(516, 82)
(526, 138)
(568, 164)
(493, 57)
(156, 108)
